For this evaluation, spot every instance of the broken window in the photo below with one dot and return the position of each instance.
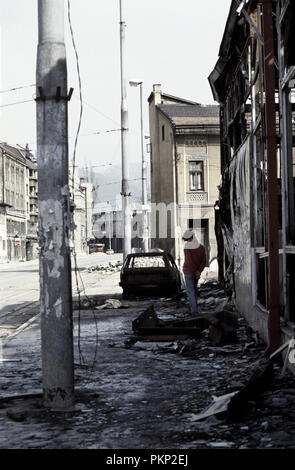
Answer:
(290, 163)
(291, 284)
(261, 181)
(286, 36)
(262, 280)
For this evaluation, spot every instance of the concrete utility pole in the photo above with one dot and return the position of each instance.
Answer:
(126, 195)
(54, 213)
(145, 235)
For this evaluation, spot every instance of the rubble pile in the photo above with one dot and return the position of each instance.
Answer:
(106, 268)
(218, 321)
(211, 295)
(240, 396)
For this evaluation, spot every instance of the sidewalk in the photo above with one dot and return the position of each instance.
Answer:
(145, 396)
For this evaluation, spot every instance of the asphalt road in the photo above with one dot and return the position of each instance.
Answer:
(19, 288)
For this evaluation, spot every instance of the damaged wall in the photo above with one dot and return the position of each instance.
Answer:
(253, 80)
(240, 217)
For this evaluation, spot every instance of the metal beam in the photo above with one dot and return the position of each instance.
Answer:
(272, 183)
(284, 11)
(251, 22)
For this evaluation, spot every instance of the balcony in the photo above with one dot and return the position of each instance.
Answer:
(33, 198)
(15, 212)
(32, 230)
(197, 197)
(33, 177)
(34, 211)
(33, 218)
(33, 182)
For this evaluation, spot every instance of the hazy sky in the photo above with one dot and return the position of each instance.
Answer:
(171, 42)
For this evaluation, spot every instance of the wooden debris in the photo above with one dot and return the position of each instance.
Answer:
(148, 324)
(223, 328)
(256, 385)
(156, 338)
(234, 403)
(16, 414)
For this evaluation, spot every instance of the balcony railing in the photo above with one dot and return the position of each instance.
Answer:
(197, 197)
(32, 230)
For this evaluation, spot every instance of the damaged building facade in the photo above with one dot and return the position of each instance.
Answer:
(253, 81)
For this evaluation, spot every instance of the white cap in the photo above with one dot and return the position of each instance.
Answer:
(188, 234)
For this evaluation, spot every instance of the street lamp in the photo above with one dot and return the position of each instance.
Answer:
(143, 174)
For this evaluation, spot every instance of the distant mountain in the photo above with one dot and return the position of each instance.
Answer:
(107, 183)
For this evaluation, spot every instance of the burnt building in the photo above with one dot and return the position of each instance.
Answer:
(253, 81)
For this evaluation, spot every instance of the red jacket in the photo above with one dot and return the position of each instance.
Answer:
(194, 260)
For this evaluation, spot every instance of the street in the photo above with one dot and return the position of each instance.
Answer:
(137, 394)
(20, 291)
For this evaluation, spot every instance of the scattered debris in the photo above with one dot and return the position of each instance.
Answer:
(17, 414)
(97, 303)
(290, 344)
(220, 405)
(224, 444)
(257, 383)
(234, 403)
(148, 324)
(223, 328)
(147, 319)
(106, 268)
(10, 360)
(112, 303)
(21, 397)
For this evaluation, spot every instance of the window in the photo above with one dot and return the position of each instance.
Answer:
(163, 132)
(196, 176)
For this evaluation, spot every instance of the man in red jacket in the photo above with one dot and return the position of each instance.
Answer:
(194, 263)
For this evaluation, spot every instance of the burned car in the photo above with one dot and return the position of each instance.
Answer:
(150, 273)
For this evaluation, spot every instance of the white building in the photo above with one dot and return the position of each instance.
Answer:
(82, 198)
(18, 204)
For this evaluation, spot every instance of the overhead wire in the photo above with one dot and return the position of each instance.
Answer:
(17, 88)
(99, 112)
(81, 358)
(16, 102)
